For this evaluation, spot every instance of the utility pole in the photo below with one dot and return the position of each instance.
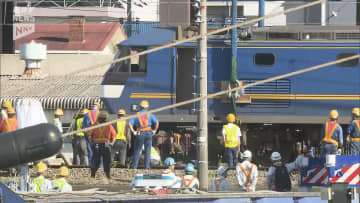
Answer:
(129, 18)
(233, 76)
(203, 113)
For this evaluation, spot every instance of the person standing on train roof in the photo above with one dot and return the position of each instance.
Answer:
(219, 183)
(10, 123)
(332, 135)
(57, 119)
(102, 139)
(231, 135)
(189, 180)
(146, 126)
(120, 146)
(90, 119)
(247, 173)
(80, 141)
(353, 132)
(5, 106)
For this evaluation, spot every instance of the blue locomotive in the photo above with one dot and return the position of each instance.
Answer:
(274, 115)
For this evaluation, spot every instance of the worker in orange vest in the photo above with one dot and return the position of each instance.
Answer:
(10, 124)
(5, 106)
(189, 180)
(90, 119)
(332, 135)
(102, 139)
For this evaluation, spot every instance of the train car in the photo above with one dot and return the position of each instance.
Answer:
(274, 115)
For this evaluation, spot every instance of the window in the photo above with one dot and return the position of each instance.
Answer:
(350, 63)
(264, 59)
(136, 64)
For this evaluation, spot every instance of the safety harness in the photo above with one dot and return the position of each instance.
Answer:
(247, 174)
(38, 182)
(93, 116)
(330, 127)
(187, 182)
(143, 122)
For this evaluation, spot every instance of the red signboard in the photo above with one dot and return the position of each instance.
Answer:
(21, 30)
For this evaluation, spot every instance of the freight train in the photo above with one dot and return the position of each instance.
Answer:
(274, 115)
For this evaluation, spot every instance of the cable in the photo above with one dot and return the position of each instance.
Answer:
(213, 95)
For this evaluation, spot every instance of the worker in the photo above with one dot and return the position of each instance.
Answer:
(40, 183)
(332, 135)
(146, 126)
(231, 136)
(102, 139)
(120, 146)
(247, 173)
(80, 142)
(5, 106)
(170, 164)
(10, 123)
(219, 183)
(90, 119)
(278, 178)
(57, 120)
(189, 180)
(60, 184)
(353, 132)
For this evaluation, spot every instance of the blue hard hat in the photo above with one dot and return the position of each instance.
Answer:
(189, 167)
(169, 161)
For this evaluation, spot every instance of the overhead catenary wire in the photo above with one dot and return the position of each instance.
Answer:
(213, 95)
(196, 37)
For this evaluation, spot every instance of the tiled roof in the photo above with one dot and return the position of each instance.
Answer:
(55, 36)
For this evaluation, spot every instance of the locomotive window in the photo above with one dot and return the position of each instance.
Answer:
(264, 59)
(350, 63)
(136, 64)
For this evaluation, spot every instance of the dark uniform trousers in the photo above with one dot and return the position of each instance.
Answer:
(101, 151)
(80, 151)
(119, 147)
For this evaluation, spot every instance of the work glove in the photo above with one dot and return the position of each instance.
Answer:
(338, 152)
(154, 132)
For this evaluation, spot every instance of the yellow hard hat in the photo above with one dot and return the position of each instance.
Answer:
(122, 112)
(11, 110)
(230, 117)
(97, 104)
(59, 112)
(64, 171)
(6, 104)
(356, 111)
(84, 111)
(144, 104)
(334, 114)
(41, 167)
(103, 114)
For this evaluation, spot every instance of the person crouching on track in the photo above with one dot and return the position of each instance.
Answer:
(101, 139)
(143, 133)
(278, 178)
(189, 180)
(60, 184)
(247, 173)
(354, 132)
(231, 135)
(40, 183)
(219, 183)
(332, 135)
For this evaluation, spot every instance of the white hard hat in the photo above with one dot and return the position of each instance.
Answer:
(221, 171)
(275, 156)
(247, 154)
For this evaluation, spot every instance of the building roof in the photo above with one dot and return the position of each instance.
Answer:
(154, 37)
(56, 36)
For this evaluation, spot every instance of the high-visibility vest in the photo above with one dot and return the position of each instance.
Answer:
(144, 121)
(93, 114)
(247, 174)
(79, 123)
(120, 135)
(187, 182)
(59, 183)
(330, 128)
(153, 151)
(10, 124)
(38, 182)
(356, 139)
(231, 140)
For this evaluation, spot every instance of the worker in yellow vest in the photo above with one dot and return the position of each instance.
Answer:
(40, 183)
(60, 184)
(57, 120)
(80, 142)
(332, 135)
(231, 136)
(118, 151)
